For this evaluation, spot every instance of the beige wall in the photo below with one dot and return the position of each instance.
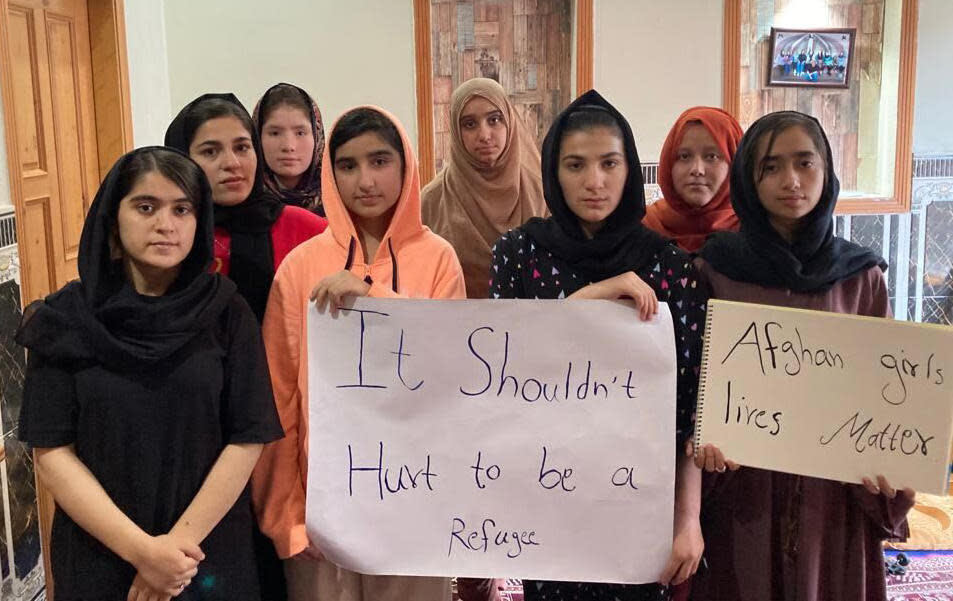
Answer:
(343, 52)
(933, 123)
(148, 71)
(656, 58)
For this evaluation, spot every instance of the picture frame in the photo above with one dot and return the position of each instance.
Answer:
(814, 58)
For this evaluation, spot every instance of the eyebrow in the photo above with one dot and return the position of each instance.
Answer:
(486, 114)
(218, 143)
(799, 154)
(602, 156)
(151, 198)
(704, 148)
(383, 152)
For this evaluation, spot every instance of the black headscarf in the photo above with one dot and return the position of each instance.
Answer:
(252, 263)
(757, 254)
(622, 243)
(102, 317)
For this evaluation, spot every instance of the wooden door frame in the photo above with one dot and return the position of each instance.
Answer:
(424, 75)
(903, 153)
(107, 36)
(113, 115)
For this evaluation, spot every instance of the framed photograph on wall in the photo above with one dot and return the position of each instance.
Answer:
(817, 58)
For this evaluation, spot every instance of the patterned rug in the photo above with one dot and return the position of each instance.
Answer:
(929, 577)
(931, 524)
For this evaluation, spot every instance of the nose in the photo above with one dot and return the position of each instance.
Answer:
(230, 160)
(365, 180)
(698, 166)
(791, 180)
(484, 132)
(164, 221)
(594, 178)
(288, 142)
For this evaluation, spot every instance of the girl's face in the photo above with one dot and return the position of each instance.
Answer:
(592, 173)
(156, 228)
(790, 180)
(224, 149)
(699, 169)
(370, 175)
(483, 130)
(287, 141)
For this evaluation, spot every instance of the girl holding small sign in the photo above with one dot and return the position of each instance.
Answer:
(375, 245)
(772, 535)
(147, 398)
(595, 247)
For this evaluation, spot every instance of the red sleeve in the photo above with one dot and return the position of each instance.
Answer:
(294, 226)
(221, 261)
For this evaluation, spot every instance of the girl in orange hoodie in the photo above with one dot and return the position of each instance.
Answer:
(375, 245)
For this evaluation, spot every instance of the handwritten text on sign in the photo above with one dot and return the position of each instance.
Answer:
(492, 438)
(828, 395)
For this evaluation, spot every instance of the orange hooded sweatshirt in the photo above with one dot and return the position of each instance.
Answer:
(411, 262)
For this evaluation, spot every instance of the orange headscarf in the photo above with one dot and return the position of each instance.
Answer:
(673, 217)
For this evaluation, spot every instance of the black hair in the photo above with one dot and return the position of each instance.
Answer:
(360, 121)
(589, 117)
(213, 108)
(283, 95)
(775, 124)
(181, 171)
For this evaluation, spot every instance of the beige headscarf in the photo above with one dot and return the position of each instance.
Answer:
(471, 205)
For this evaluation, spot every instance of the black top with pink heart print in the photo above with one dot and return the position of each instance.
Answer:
(522, 269)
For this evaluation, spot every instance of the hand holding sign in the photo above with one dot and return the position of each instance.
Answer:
(827, 395)
(492, 438)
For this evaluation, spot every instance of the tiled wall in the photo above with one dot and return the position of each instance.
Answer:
(21, 570)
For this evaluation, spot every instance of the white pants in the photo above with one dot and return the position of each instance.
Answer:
(310, 580)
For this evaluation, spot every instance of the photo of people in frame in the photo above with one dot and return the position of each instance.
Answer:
(811, 57)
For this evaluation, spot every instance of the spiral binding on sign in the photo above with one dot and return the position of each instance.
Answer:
(703, 376)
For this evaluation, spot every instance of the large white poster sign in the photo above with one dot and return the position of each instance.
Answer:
(828, 395)
(497, 438)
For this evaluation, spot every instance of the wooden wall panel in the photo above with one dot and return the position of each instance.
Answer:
(526, 45)
(837, 109)
(746, 28)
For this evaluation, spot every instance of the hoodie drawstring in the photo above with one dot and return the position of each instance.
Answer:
(393, 265)
(350, 255)
(393, 262)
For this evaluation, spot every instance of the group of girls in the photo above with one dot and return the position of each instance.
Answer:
(172, 430)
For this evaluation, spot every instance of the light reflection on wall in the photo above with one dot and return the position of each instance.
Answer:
(803, 14)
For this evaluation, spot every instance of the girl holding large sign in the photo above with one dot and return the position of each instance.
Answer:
(594, 246)
(772, 535)
(375, 245)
